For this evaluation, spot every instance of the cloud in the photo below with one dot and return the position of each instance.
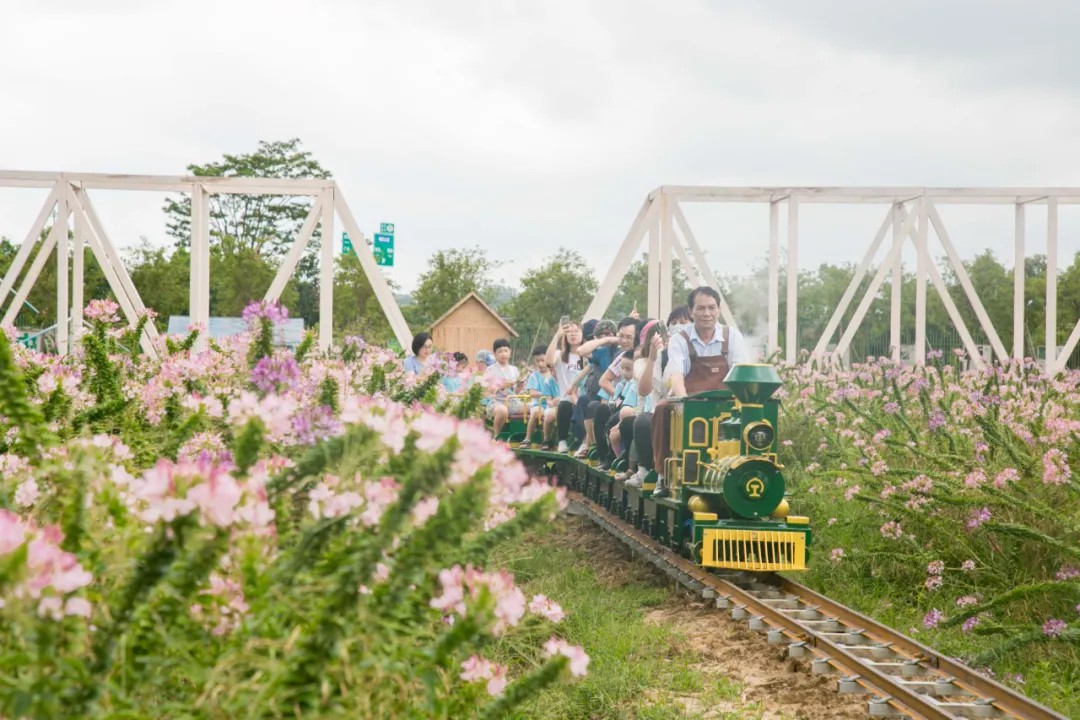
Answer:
(524, 127)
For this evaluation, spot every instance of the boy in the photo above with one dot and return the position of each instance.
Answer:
(503, 378)
(625, 404)
(544, 390)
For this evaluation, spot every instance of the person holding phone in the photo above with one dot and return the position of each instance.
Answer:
(565, 363)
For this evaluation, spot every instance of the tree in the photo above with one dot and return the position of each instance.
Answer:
(451, 275)
(564, 285)
(356, 309)
(40, 311)
(634, 288)
(265, 224)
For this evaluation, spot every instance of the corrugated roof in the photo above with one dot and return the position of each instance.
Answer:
(290, 333)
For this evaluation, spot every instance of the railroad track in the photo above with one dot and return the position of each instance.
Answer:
(903, 678)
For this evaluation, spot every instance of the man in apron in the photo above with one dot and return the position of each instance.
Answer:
(700, 358)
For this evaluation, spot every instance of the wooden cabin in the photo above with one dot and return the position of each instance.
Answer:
(470, 325)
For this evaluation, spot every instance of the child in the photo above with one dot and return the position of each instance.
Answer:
(625, 402)
(504, 378)
(453, 381)
(544, 390)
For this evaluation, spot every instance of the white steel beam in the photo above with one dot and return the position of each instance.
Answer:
(78, 209)
(873, 289)
(950, 305)
(623, 257)
(792, 331)
(921, 271)
(703, 265)
(1018, 284)
(32, 238)
(1051, 284)
(853, 286)
(326, 273)
(367, 261)
(63, 298)
(31, 276)
(199, 290)
(965, 282)
(112, 258)
(653, 301)
(296, 251)
(666, 241)
(774, 279)
(693, 275)
(895, 337)
(78, 269)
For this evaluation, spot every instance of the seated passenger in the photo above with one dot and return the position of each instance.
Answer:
(562, 357)
(700, 359)
(543, 388)
(623, 407)
(454, 380)
(504, 379)
(422, 345)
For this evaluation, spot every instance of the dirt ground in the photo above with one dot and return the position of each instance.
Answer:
(728, 650)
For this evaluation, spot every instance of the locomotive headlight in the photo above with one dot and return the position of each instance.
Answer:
(760, 436)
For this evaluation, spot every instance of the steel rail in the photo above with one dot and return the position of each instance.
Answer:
(897, 699)
(1005, 698)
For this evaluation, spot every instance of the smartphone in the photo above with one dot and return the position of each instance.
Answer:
(662, 330)
(564, 321)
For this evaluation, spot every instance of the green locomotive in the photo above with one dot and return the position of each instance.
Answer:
(727, 507)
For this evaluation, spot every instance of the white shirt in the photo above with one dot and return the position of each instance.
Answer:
(507, 373)
(679, 353)
(565, 372)
(661, 384)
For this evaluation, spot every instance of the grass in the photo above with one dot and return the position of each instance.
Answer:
(638, 669)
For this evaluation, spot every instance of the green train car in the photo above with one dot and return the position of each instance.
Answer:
(728, 506)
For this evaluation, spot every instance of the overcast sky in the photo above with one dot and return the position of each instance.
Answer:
(520, 127)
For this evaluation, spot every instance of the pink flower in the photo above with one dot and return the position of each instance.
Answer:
(967, 601)
(475, 668)
(79, 607)
(970, 624)
(1005, 477)
(851, 492)
(1056, 469)
(453, 591)
(891, 530)
(579, 661)
(102, 310)
(549, 609)
(836, 555)
(933, 583)
(1067, 572)
(12, 532)
(497, 683)
(967, 565)
(1053, 627)
(977, 518)
(936, 568)
(932, 618)
(424, 510)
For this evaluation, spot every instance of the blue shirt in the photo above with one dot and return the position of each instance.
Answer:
(627, 391)
(413, 365)
(547, 386)
(452, 384)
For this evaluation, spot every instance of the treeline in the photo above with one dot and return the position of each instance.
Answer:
(250, 236)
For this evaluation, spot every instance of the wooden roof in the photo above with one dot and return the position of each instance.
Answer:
(483, 304)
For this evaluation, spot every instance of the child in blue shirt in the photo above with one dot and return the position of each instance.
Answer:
(544, 389)
(625, 402)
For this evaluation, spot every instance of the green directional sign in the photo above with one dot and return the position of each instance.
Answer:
(386, 228)
(346, 244)
(383, 249)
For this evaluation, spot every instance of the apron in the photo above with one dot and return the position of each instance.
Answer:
(706, 373)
